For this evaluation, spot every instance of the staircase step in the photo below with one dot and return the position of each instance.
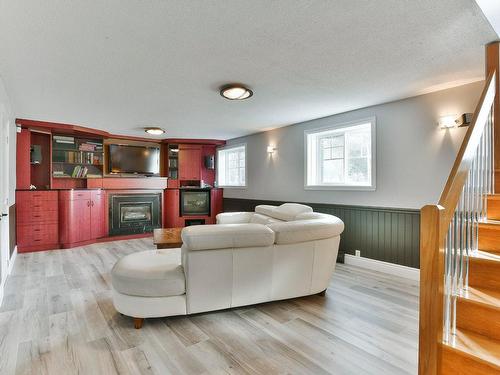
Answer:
(471, 354)
(489, 236)
(494, 207)
(478, 310)
(484, 270)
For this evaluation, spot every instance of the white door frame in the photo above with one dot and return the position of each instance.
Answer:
(4, 196)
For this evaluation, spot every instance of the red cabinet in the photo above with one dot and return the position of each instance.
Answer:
(171, 209)
(172, 217)
(97, 216)
(190, 162)
(82, 216)
(37, 220)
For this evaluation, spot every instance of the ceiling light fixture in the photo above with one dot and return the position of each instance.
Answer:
(154, 131)
(235, 92)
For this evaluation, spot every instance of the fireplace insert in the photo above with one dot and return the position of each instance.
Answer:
(134, 213)
(195, 202)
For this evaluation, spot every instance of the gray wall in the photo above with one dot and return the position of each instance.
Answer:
(386, 234)
(414, 156)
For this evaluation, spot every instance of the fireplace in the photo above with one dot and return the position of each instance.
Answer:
(134, 213)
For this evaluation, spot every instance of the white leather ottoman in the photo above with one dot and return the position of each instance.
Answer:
(149, 284)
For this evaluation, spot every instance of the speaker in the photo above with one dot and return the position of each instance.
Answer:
(210, 161)
(36, 154)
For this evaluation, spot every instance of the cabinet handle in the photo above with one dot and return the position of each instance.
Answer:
(36, 216)
(92, 203)
(37, 240)
(36, 230)
(88, 203)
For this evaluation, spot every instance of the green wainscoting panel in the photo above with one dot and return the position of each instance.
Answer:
(386, 234)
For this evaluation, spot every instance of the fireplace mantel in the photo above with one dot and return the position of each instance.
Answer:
(128, 183)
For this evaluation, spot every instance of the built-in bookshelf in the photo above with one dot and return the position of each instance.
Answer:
(173, 161)
(76, 158)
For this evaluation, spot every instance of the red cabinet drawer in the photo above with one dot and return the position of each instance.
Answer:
(37, 216)
(37, 234)
(73, 195)
(34, 205)
(37, 195)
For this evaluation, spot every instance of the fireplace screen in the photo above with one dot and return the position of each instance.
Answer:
(195, 202)
(134, 213)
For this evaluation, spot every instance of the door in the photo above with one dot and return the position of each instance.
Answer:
(190, 163)
(97, 214)
(79, 220)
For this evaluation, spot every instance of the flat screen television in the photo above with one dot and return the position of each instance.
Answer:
(134, 159)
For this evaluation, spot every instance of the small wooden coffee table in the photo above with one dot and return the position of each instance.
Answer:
(167, 238)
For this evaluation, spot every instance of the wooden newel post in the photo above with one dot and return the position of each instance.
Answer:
(431, 289)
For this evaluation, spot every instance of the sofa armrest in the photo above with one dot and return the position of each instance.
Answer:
(226, 236)
(234, 217)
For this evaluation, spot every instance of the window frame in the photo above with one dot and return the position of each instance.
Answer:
(336, 186)
(227, 148)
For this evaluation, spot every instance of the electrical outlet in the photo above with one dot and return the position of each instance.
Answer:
(357, 253)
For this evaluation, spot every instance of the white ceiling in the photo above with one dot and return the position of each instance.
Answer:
(491, 9)
(120, 65)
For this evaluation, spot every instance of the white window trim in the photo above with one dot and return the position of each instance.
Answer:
(242, 187)
(373, 186)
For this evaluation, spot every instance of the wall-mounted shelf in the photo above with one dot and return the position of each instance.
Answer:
(76, 157)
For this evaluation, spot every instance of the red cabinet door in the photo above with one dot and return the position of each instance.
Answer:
(171, 209)
(79, 222)
(190, 160)
(74, 217)
(97, 214)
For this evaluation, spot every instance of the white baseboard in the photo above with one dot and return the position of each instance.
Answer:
(10, 267)
(11, 261)
(378, 265)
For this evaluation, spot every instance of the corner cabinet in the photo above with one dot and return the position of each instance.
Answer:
(190, 161)
(81, 215)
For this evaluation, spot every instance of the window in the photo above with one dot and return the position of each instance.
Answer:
(231, 166)
(341, 157)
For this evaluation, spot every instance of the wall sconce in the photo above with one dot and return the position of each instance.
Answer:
(451, 121)
(464, 120)
(448, 121)
(271, 149)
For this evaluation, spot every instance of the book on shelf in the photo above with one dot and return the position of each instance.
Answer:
(63, 139)
(79, 172)
(86, 147)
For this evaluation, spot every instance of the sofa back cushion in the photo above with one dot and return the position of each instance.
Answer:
(307, 227)
(225, 236)
(263, 219)
(285, 212)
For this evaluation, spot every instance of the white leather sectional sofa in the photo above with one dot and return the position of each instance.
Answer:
(246, 258)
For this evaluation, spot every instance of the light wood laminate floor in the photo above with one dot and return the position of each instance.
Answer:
(58, 318)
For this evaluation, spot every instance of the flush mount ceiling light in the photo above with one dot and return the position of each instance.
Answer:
(235, 92)
(154, 131)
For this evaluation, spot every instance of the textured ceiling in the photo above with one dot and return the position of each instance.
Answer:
(491, 9)
(120, 65)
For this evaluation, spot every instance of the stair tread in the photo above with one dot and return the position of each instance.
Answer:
(477, 346)
(483, 296)
(491, 223)
(485, 255)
